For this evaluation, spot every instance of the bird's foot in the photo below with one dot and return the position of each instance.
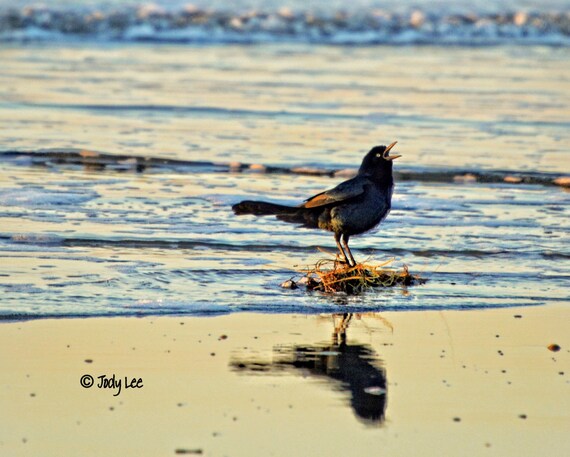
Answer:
(340, 262)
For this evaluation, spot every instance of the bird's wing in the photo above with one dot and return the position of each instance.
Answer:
(346, 190)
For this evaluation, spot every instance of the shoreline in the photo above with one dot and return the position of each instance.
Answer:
(457, 382)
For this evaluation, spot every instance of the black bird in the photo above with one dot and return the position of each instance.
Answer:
(351, 208)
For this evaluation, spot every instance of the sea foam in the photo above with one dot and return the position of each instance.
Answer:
(360, 26)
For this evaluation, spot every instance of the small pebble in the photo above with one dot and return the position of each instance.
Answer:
(309, 171)
(258, 167)
(467, 178)
(563, 181)
(346, 173)
(289, 284)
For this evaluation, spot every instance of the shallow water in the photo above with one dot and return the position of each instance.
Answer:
(185, 131)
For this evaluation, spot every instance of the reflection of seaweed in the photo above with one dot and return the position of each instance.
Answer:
(351, 368)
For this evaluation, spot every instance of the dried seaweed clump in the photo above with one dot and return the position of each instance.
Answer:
(356, 279)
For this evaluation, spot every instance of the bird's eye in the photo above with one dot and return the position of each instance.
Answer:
(378, 155)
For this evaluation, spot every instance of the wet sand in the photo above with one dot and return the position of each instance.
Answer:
(478, 382)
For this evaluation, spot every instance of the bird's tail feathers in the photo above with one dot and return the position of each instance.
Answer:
(259, 208)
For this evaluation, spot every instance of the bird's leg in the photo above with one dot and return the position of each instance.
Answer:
(337, 239)
(345, 238)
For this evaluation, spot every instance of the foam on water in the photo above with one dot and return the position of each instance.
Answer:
(36, 198)
(363, 25)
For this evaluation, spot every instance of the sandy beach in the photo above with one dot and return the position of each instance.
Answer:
(456, 383)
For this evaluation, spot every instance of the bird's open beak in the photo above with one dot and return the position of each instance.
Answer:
(395, 156)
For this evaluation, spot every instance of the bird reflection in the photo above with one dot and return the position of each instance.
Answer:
(351, 368)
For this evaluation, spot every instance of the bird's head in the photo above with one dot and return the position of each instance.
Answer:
(378, 162)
